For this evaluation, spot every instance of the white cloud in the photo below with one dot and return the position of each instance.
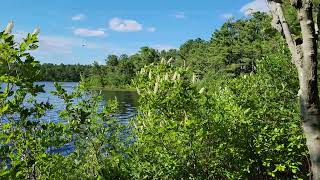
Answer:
(61, 45)
(64, 49)
(89, 32)
(180, 15)
(161, 47)
(57, 45)
(124, 25)
(151, 29)
(255, 6)
(227, 16)
(78, 17)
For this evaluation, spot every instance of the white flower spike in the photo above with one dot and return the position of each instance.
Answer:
(9, 28)
(163, 61)
(166, 77)
(178, 77)
(156, 87)
(138, 91)
(158, 78)
(36, 31)
(194, 78)
(202, 90)
(174, 76)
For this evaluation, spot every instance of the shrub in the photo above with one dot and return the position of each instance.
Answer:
(26, 140)
(246, 127)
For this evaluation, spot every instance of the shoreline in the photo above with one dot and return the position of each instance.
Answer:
(113, 89)
(128, 89)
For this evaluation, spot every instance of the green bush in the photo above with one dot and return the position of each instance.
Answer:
(244, 127)
(25, 138)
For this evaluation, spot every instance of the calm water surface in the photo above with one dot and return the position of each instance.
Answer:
(127, 101)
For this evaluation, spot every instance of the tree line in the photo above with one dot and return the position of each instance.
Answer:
(62, 72)
(232, 50)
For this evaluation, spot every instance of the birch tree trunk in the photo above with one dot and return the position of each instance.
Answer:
(304, 56)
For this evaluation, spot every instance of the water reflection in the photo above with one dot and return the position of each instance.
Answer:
(128, 101)
(127, 108)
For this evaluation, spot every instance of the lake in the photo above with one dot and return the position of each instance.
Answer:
(127, 101)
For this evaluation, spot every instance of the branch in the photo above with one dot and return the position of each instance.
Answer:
(317, 25)
(308, 29)
(279, 22)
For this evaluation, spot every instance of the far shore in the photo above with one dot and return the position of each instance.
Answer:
(130, 89)
(114, 89)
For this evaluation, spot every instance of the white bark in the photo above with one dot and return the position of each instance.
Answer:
(304, 56)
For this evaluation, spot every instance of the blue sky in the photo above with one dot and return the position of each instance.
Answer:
(83, 31)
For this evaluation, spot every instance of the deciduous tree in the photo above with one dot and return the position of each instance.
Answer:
(304, 53)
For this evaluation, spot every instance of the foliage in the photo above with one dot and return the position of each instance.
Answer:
(21, 147)
(169, 137)
(238, 44)
(94, 135)
(30, 144)
(218, 109)
(246, 127)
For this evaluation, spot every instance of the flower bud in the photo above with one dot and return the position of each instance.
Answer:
(178, 76)
(142, 71)
(174, 76)
(150, 75)
(138, 91)
(9, 28)
(202, 90)
(194, 78)
(156, 87)
(36, 31)
(166, 77)
(163, 61)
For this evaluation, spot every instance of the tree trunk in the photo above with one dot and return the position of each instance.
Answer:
(309, 95)
(304, 56)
